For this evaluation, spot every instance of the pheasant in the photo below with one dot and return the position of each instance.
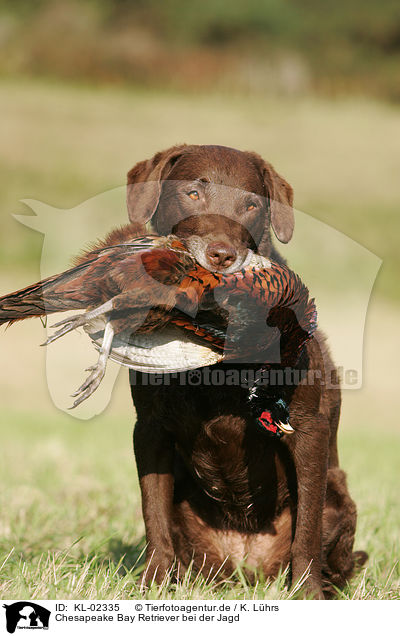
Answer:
(149, 305)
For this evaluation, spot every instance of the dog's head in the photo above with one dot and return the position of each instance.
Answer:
(220, 200)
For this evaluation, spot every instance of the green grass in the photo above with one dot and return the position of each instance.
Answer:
(72, 524)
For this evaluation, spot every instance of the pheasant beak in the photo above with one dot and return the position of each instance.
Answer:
(285, 427)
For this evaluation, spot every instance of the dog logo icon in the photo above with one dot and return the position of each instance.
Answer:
(26, 615)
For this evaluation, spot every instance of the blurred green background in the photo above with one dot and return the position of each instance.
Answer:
(87, 89)
(90, 87)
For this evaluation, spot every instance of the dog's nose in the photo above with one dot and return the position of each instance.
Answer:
(220, 254)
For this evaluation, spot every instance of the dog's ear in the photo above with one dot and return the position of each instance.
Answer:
(281, 200)
(280, 195)
(144, 184)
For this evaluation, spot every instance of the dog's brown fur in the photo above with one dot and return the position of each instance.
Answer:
(216, 489)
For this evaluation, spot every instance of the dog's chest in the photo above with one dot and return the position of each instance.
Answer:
(232, 464)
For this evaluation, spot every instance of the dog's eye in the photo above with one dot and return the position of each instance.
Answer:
(251, 206)
(194, 195)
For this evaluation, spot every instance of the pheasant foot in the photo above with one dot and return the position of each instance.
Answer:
(73, 322)
(97, 370)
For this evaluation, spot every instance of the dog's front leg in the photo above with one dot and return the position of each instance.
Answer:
(154, 451)
(309, 447)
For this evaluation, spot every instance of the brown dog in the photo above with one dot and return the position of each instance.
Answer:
(215, 488)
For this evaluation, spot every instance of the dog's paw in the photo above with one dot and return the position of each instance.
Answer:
(310, 589)
(159, 571)
(360, 558)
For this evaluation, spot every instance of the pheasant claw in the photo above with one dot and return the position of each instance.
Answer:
(97, 371)
(73, 322)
